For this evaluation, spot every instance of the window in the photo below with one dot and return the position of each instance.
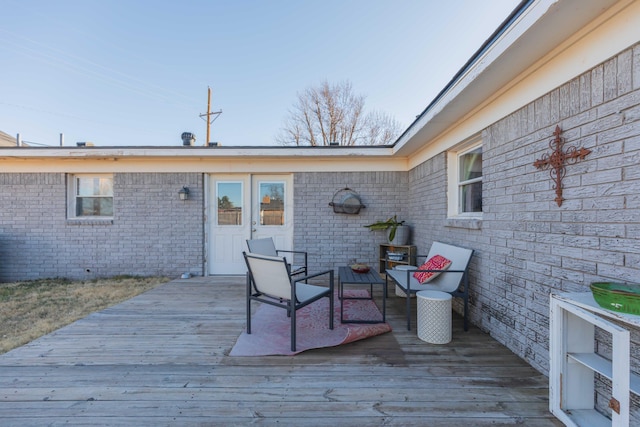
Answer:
(91, 196)
(271, 203)
(470, 181)
(465, 179)
(229, 203)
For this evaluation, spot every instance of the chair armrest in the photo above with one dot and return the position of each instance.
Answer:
(310, 276)
(321, 273)
(404, 278)
(387, 259)
(291, 252)
(295, 252)
(437, 271)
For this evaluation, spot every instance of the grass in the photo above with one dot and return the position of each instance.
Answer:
(31, 309)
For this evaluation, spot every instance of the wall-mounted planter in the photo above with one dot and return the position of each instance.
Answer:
(346, 201)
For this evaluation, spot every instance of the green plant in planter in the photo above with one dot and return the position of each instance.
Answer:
(391, 224)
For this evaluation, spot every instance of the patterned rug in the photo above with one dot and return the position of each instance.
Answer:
(270, 327)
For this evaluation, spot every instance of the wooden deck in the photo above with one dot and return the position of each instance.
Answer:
(162, 359)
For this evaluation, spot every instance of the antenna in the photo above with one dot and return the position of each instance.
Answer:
(208, 116)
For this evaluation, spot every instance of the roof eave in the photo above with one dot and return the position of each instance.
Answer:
(534, 28)
(96, 152)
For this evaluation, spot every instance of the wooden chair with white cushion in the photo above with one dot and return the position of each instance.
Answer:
(269, 281)
(454, 279)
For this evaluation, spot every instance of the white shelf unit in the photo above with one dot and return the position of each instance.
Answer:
(574, 363)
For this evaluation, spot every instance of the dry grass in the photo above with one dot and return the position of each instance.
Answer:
(29, 310)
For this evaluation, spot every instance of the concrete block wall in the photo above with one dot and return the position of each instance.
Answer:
(333, 239)
(533, 246)
(152, 232)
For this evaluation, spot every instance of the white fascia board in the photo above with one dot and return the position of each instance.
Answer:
(240, 162)
(194, 152)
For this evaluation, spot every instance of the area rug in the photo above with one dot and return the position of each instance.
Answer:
(271, 328)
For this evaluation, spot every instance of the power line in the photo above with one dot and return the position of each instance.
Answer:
(53, 57)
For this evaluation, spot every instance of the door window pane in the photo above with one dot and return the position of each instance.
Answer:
(229, 203)
(271, 203)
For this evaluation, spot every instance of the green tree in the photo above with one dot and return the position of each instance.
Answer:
(225, 203)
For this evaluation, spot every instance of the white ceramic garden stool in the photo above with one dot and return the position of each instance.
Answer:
(434, 316)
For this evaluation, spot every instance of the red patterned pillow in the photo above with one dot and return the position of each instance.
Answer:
(436, 262)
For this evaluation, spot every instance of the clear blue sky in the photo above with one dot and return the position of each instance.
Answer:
(134, 72)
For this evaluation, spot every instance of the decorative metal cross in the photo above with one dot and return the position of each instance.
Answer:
(557, 161)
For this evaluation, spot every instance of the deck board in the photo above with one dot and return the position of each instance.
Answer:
(162, 359)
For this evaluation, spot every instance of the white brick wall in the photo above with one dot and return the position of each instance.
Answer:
(534, 246)
(152, 232)
(333, 239)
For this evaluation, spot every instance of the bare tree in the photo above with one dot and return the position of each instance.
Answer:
(333, 113)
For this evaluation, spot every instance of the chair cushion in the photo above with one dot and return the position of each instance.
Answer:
(436, 262)
(306, 292)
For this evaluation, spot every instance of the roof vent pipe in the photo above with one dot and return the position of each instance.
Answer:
(18, 140)
(188, 138)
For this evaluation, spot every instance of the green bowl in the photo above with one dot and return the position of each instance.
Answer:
(620, 297)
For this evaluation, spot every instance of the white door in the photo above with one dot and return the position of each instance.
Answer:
(272, 210)
(230, 222)
(245, 207)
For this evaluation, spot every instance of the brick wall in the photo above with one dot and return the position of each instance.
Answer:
(525, 246)
(428, 213)
(152, 232)
(333, 239)
(536, 247)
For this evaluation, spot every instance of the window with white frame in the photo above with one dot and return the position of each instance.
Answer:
(91, 196)
(465, 179)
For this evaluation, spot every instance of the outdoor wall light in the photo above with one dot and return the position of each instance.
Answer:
(184, 193)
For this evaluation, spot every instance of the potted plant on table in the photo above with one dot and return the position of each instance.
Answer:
(398, 233)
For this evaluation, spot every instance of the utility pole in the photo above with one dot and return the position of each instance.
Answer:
(209, 117)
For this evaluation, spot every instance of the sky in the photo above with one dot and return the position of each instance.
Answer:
(136, 72)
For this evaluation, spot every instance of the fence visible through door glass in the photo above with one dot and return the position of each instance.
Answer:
(229, 203)
(272, 203)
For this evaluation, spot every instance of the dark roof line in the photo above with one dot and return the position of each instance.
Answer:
(524, 4)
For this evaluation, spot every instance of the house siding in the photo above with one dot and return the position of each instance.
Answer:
(534, 247)
(526, 246)
(152, 232)
(332, 239)
(428, 213)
